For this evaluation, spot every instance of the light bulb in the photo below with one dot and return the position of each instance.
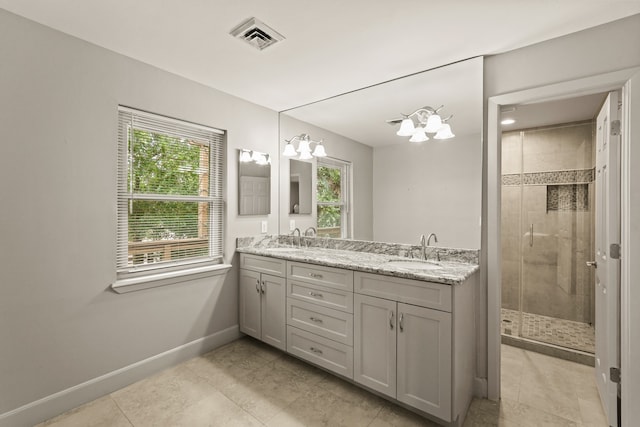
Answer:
(255, 156)
(407, 128)
(289, 150)
(262, 160)
(419, 136)
(319, 151)
(434, 123)
(444, 132)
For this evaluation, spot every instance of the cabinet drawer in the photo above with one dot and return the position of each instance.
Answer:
(326, 322)
(319, 275)
(277, 267)
(331, 355)
(323, 296)
(416, 292)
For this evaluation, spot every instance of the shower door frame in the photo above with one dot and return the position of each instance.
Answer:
(491, 246)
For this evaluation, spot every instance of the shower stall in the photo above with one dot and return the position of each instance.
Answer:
(547, 237)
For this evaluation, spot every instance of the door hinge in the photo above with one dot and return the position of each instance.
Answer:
(614, 251)
(614, 375)
(615, 127)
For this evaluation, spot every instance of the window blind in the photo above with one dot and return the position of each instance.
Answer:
(170, 192)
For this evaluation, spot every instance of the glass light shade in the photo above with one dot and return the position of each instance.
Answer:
(289, 150)
(303, 147)
(245, 156)
(262, 160)
(444, 132)
(255, 156)
(419, 136)
(319, 151)
(434, 123)
(407, 128)
(306, 155)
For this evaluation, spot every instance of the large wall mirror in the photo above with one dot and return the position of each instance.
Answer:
(401, 189)
(254, 183)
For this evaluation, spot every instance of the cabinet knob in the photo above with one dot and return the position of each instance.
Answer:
(258, 286)
(262, 287)
(391, 320)
(400, 322)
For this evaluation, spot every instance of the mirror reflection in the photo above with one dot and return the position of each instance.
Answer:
(400, 189)
(300, 187)
(254, 182)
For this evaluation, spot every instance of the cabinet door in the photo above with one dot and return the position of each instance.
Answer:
(424, 359)
(274, 328)
(250, 303)
(375, 343)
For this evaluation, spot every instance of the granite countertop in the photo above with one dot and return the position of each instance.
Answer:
(446, 272)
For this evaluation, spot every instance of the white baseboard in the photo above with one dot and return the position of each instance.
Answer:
(480, 388)
(57, 403)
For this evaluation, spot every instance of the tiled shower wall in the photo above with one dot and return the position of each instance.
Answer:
(548, 183)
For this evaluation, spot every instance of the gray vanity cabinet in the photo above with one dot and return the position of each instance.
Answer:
(404, 342)
(263, 299)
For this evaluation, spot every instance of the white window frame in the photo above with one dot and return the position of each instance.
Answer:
(136, 277)
(345, 192)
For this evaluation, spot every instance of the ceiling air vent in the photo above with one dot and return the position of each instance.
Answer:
(256, 33)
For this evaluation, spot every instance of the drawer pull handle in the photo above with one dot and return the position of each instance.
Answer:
(258, 286)
(391, 321)
(401, 323)
(315, 275)
(315, 319)
(315, 294)
(316, 350)
(262, 287)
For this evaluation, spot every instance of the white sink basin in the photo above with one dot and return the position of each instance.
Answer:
(413, 264)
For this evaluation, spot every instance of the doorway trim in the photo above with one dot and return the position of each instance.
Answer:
(569, 89)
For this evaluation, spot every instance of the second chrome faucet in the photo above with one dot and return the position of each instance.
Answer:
(424, 243)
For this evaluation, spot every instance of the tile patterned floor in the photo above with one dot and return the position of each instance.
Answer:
(565, 333)
(247, 383)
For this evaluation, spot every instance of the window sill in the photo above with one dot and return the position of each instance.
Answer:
(168, 278)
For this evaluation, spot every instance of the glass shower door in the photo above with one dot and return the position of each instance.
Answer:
(556, 229)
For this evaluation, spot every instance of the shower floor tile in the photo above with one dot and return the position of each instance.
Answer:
(565, 333)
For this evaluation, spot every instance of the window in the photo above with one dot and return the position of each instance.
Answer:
(170, 205)
(332, 190)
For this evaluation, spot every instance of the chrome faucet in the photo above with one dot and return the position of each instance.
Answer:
(311, 230)
(293, 233)
(427, 242)
(423, 253)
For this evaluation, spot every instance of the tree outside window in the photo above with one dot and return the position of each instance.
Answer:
(332, 200)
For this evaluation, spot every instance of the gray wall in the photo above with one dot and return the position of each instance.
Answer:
(60, 325)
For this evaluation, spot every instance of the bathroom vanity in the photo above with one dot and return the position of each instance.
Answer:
(400, 327)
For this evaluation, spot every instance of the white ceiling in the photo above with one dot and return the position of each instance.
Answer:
(331, 46)
(553, 112)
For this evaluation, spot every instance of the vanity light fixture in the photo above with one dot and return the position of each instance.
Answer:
(304, 147)
(259, 158)
(421, 122)
(507, 122)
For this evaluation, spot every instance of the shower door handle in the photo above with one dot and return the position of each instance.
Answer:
(531, 236)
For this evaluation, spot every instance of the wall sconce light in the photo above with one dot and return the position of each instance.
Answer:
(259, 158)
(421, 122)
(304, 147)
